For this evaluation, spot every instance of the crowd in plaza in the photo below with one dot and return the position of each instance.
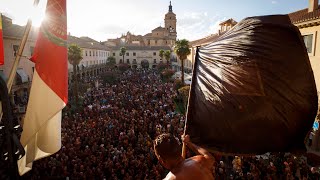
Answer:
(111, 137)
(269, 167)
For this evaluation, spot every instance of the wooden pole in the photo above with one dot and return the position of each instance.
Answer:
(183, 154)
(20, 51)
(185, 123)
(18, 56)
(184, 144)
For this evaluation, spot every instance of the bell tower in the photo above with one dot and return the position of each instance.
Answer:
(170, 22)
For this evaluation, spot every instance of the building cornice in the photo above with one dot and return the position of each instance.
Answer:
(307, 24)
(17, 38)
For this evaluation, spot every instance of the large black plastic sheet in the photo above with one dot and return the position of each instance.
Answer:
(253, 89)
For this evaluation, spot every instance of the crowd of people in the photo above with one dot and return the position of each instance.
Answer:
(269, 167)
(111, 137)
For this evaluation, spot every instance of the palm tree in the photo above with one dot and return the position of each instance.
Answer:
(122, 53)
(161, 53)
(111, 61)
(74, 58)
(167, 55)
(182, 50)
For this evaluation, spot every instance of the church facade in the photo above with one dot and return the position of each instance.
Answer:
(160, 36)
(145, 48)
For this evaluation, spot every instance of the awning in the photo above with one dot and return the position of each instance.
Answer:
(3, 76)
(23, 75)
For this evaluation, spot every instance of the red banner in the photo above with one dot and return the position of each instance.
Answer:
(50, 54)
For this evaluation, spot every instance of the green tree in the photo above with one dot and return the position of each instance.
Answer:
(182, 100)
(123, 67)
(182, 50)
(177, 84)
(111, 61)
(166, 75)
(122, 53)
(74, 58)
(167, 55)
(161, 66)
(161, 53)
(110, 77)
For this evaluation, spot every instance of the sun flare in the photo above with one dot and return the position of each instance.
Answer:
(36, 13)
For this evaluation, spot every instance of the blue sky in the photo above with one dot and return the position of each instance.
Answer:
(104, 19)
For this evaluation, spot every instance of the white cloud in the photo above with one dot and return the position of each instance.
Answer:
(106, 19)
(195, 25)
(215, 27)
(274, 2)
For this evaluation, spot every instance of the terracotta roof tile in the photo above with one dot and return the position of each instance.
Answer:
(205, 40)
(229, 21)
(158, 29)
(303, 15)
(88, 39)
(147, 48)
(85, 43)
(16, 31)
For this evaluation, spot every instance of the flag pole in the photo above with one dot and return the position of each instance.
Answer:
(20, 51)
(183, 153)
(18, 55)
(184, 144)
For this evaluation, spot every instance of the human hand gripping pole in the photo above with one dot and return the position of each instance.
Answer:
(195, 148)
(183, 150)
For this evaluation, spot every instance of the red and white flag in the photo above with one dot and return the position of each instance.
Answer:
(41, 136)
(1, 43)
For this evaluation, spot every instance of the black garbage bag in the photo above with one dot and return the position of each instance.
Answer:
(253, 89)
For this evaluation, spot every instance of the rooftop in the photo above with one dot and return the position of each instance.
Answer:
(88, 39)
(303, 15)
(147, 48)
(86, 43)
(16, 31)
(158, 29)
(229, 21)
(205, 40)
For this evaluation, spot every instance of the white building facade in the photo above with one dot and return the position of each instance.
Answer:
(93, 52)
(136, 55)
